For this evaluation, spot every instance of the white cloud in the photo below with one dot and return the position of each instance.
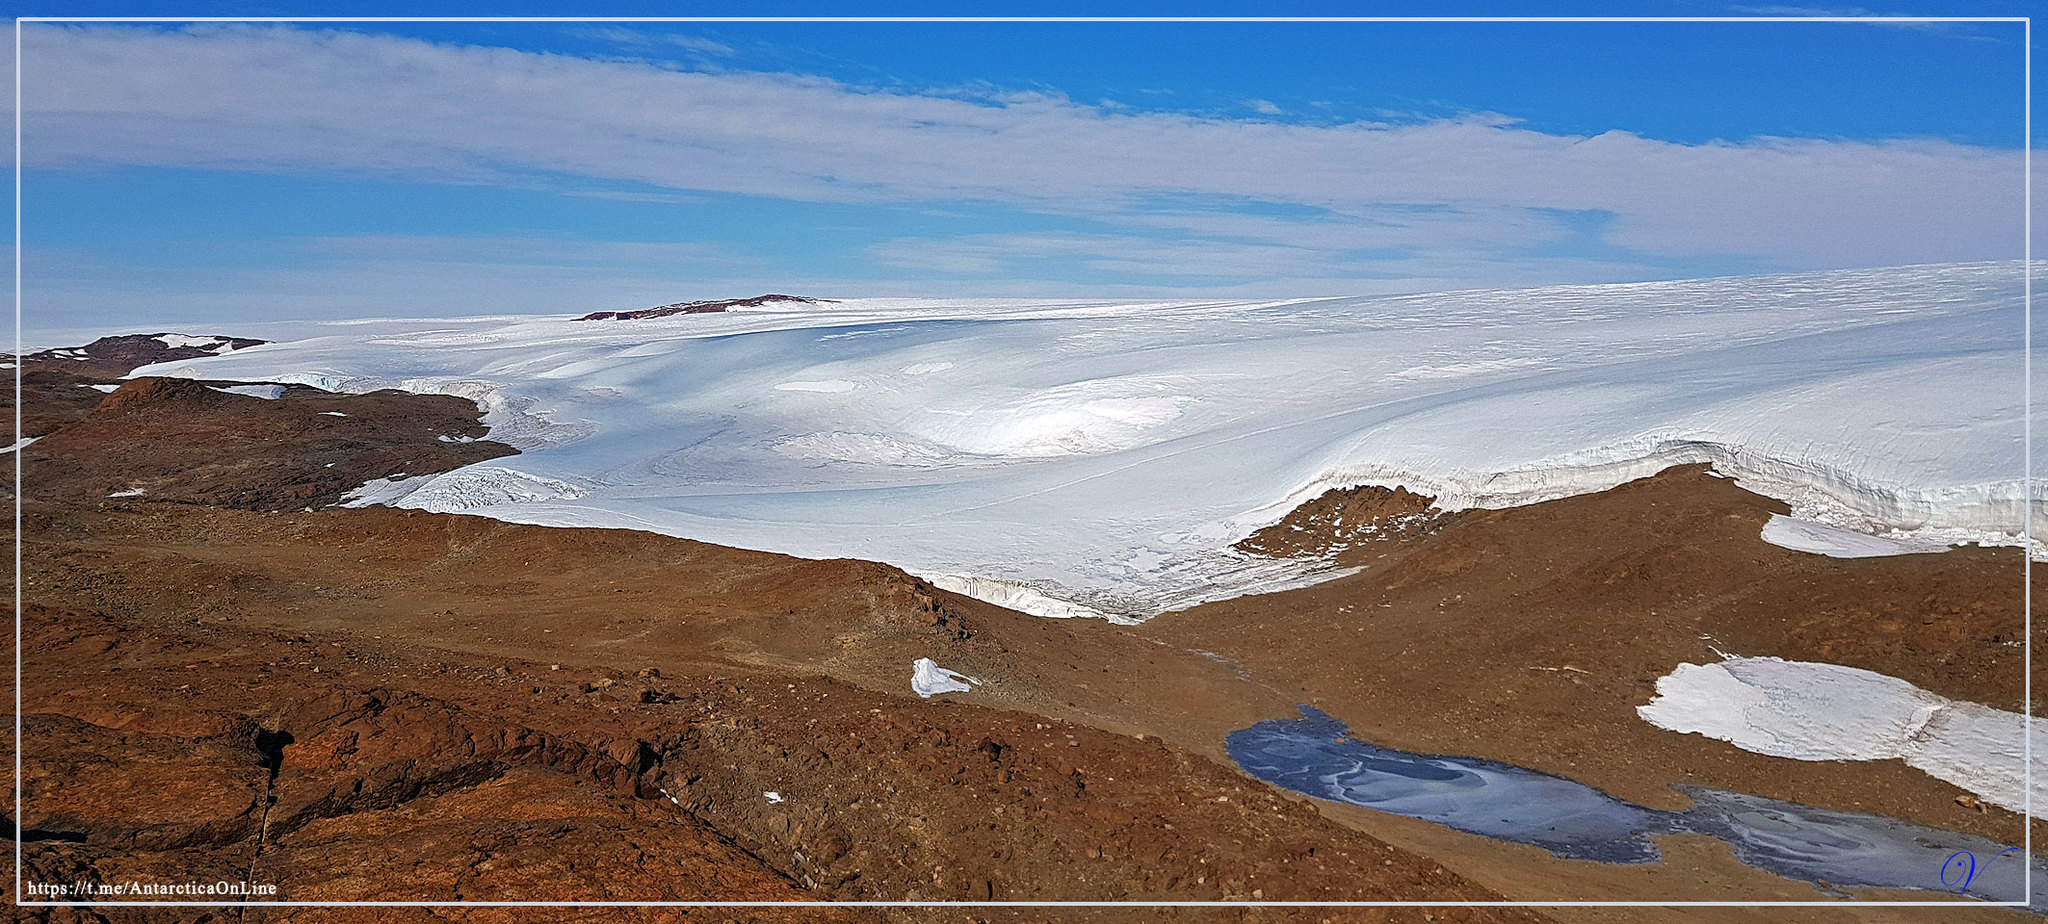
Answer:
(283, 99)
(433, 276)
(390, 276)
(1367, 228)
(1236, 265)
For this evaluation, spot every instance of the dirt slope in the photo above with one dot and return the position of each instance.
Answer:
(382, 703)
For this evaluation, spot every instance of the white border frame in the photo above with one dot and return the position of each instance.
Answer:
(2026, 455)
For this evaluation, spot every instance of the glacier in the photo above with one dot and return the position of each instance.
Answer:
(1099, 458)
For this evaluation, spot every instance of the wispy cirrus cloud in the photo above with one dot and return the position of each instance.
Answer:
(641, 38)
(1891, 20)
(1154, 265)
(1359, 200)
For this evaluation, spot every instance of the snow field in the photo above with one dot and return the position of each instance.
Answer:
(1084, 458)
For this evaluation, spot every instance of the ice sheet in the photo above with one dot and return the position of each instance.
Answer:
(1103, 456)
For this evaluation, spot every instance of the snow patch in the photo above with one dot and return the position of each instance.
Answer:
(928, 679)
(1821, 539)
(174, 341)
(1807, 710)
(104, 389)
(20, 444)
(266, 392)
(131, 492)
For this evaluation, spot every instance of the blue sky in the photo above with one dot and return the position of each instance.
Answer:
(221, 173)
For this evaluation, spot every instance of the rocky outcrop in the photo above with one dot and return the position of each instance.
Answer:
(180, 440)
(1341, 518)
(112, 357)
(706, 307)
(59, 386)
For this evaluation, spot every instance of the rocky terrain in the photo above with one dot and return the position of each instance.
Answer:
(58, 386)
(1336, 520)
(377, 704)
(380, 705)
(181, 440)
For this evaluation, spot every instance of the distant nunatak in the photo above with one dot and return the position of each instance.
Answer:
(712, 307)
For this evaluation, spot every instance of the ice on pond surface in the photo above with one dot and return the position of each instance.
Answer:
(1315, 756)
(1312, 755)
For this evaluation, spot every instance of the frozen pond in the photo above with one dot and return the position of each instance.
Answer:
(1313, 755)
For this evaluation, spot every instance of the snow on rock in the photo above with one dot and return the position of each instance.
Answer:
(213, 344)
(1807, 710)
(19, 444)
(1821, 539)
(928, 679)
(1106, 454)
